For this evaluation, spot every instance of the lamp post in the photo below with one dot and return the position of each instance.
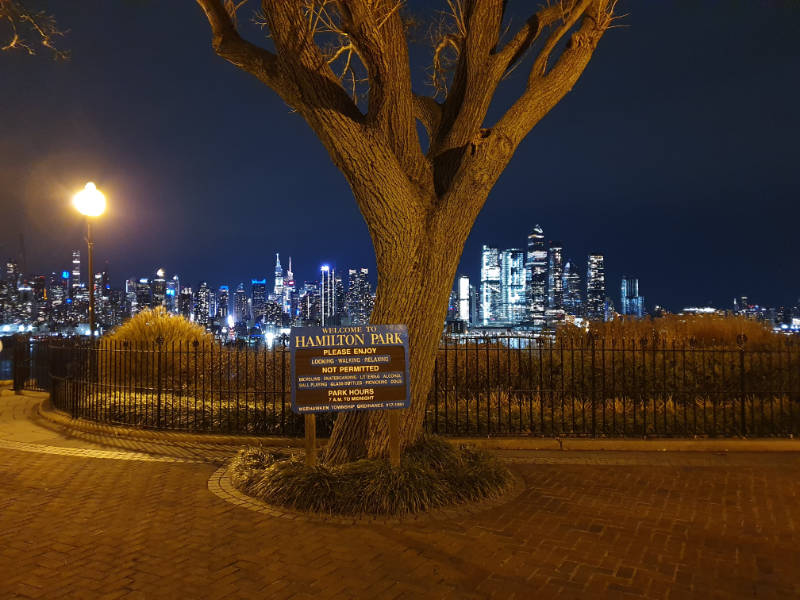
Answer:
(91, 203)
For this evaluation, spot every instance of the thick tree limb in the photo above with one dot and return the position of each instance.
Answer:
(429, 112)
(378, 33)
(507, 57)
(228, 44)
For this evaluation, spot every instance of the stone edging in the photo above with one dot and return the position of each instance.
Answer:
(220, 485)
(46, 411)
(49, 413)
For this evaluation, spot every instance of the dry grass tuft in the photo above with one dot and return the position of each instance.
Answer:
(157, 325)
(432, 474)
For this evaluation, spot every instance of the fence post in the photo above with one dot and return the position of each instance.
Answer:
(742, 389)
(159, 342)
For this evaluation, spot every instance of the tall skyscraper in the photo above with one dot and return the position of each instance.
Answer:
(463, 299)
(75, 283)
(144, 294)
(536, 276)
(359, 297)
(512, 286)
(555, 276)
(595, 288)
(172, 289)
(202, 303)
(631, 303)
(241, 305)
(186, 303)
(159, 289)
(327, 295)
(278, 289)
(259, 295)
(491, 295)
(223, 304)
(288, 289)
(573, 303)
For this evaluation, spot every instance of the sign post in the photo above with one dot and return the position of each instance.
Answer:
(311, 439)
(359, 367)
(394, 437)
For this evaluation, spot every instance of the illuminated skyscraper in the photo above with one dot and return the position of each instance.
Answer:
(288, 289)
(159, 289)
(631, 303)
(144, 294)
(259, 295)
(573, 303)
(327, 295)
(491, 295)
(223, 303)
(555, 276)
(75, 283)
(512, 286)
(202, 301)
(359, 297)
(241, 305)
(536, 276)
(278, 290)
(464, 294)
(186, 303)
(172, 289)
(595, 288)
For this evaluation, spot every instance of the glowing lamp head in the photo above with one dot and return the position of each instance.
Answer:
(90, 201)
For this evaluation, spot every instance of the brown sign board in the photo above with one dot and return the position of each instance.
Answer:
(358, 367)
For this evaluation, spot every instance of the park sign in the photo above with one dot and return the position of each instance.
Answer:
(358, 367)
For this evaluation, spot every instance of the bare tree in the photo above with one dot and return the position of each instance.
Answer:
(419, 205)
(23, 28)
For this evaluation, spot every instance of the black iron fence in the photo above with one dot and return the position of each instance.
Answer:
(499, 385)
(511, 385)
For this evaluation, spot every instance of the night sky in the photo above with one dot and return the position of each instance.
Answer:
(676, 155)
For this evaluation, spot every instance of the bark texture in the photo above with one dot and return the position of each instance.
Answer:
(419, 206)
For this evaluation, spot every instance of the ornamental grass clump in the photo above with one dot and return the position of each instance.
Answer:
(432, 474)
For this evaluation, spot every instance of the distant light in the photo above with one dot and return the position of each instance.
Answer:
(143, 280)
(325, 268)
(160, 273)
(90, 201)
(230, 321)
(64, 274)
(170, 292)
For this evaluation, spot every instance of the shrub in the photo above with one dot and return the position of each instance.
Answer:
(698, 330)
(156, 325)
(432, 474)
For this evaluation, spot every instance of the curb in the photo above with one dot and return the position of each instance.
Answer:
(636, 445)
(47, 412)
(53, 415)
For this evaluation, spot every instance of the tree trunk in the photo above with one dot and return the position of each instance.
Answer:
(415, 275)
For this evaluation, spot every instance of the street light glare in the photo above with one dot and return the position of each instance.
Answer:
(90, 201)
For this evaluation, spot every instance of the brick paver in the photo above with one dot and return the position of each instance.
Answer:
(597, 525)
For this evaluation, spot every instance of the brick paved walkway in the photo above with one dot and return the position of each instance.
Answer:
(593, 525)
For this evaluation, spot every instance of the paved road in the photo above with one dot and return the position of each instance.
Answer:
(85, 519)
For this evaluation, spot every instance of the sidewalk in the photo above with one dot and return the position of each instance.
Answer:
(136, 520)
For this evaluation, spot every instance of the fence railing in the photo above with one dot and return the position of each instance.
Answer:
(510, 385)
(498, 385)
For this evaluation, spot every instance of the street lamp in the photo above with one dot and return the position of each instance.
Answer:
(91, 203)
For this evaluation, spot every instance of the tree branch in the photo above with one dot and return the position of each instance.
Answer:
(377, 31)
(516, 47)
(488, 153)
(429, 112)
(228, 44)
